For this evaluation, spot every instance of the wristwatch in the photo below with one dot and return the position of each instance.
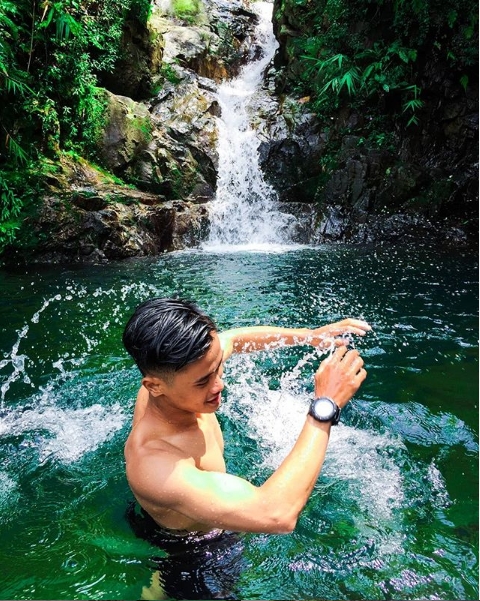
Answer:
(323, 409)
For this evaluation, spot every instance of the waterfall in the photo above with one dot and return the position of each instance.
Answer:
(245, 211)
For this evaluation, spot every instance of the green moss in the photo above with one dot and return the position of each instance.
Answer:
(185, 8)
(169, 73)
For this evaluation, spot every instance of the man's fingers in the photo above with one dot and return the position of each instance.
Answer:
(357, 364)
(357, 331)
(349, 360)
(349, 330)
(350, 326)
(339, 353)
(361, 324)
(361, 375)
(347, 356)
(334, 357)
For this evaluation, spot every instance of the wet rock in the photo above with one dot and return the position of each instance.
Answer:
(87, 218)
(127, 132)
(117, 232)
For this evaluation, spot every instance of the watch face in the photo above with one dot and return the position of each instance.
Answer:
(324, 409)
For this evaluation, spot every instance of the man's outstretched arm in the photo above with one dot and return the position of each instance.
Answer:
(254, 338)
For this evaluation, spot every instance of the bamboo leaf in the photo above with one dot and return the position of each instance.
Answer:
(369, 70)
(464, 82)
(349, 80)
(18, 153)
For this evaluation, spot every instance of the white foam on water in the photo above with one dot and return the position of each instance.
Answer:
(63, 435)
(9, 494)
(355, 456)
(253, 247)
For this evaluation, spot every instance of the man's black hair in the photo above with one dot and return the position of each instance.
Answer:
(165, 334)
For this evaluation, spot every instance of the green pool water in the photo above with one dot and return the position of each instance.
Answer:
(394, 514)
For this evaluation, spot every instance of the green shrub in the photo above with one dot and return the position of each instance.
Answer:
(371, 53)
(185, 8)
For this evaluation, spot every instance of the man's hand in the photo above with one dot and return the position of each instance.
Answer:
(342, 328)
(336, 334)
(340, 375)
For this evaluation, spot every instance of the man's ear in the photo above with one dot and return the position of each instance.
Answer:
(155, 386)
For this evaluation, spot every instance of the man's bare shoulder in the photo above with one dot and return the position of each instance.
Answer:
(151, 460)
(145, 443)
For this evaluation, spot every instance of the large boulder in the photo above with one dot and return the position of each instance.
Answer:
(167, 147)
(127, 132)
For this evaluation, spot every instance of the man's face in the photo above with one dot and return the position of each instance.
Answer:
(197, 387)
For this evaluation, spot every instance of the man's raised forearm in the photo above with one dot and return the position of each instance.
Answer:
(255, 338)
(263, 337)
(288, 489)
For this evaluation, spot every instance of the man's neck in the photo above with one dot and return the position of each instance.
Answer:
(173, 418)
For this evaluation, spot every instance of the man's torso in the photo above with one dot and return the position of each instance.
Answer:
(202, 446)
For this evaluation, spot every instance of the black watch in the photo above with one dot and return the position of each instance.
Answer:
(324, 409)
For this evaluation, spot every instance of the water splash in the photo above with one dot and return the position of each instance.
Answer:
(245, 210)
(363, 467)
(57, 422)
(63, 435)
(17, 362)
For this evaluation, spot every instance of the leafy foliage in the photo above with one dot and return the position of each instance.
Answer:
(53, 54)
(185, 8)
(372, 52)
(10, 207)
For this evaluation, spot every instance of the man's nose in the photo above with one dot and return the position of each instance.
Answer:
(218, 385)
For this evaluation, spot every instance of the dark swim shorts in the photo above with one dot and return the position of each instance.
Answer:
(198, 565)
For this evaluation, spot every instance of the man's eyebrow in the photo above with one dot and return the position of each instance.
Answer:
(206, 376)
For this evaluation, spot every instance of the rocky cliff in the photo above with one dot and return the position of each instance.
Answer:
(392, 180)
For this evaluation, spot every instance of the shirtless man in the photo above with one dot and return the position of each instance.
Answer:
(174, 453)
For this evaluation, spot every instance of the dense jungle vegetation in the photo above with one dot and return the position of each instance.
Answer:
(55, 57)
(375, 53)
(399, 77)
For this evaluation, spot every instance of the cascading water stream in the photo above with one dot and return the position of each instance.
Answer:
(245, 210)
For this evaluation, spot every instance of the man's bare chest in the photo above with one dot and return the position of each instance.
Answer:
(205, 450)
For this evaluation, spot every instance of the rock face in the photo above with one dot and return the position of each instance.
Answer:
(397, 183)
(167, 147)
(97, 220)
(364, 195)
